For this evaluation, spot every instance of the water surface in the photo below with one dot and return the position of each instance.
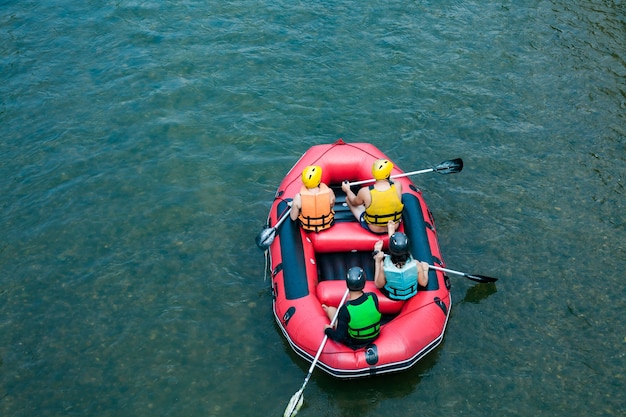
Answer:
(141, 143)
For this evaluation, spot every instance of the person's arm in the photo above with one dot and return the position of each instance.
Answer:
(422, 273)
(364, 197)
(353, 199)
(379, 273)
(398, 189)
(295, 207)
(340, 332)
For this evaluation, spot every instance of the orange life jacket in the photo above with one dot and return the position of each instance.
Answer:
(316, 213)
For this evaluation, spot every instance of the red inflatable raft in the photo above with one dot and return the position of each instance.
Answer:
(309, 269)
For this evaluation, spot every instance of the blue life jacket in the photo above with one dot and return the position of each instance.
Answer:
(401, 282)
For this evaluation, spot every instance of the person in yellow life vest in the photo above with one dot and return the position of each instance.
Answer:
(313, 205)
(398, 274)
(358, 321)
(378, 206)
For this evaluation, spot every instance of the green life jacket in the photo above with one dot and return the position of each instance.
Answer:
(364, 321)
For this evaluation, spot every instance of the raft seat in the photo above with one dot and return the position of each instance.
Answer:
(345, 237)
(332, 269)
(331, 292)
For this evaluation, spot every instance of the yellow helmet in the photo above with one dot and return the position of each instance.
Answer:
(381, 169)
(312, 176)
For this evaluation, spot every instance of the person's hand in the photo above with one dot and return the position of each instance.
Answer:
(392, 227)
(345, 186)
(378, 253)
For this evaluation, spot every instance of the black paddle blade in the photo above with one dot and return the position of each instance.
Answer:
(480, 278)
(265, 238)
(449, 167)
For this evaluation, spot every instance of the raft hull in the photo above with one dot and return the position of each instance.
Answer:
(309, 269)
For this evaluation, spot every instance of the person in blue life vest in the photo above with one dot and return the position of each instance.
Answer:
(313, 205)
(358, 322)
(397, 274)
(375, 206)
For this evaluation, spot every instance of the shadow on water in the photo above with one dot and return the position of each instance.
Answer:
(347, 395)
(479, 292)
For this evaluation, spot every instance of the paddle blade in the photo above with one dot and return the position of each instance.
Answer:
(449, 167)
(265, 238)
(480, 278)
(295, 403)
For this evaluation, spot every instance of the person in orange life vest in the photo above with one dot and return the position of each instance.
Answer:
(397, 275)
(313, 205)
(376, 205)
(358, 320)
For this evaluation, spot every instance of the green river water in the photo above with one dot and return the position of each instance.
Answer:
(141, 143)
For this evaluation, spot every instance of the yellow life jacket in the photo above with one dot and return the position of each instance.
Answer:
(385, 206)
(316, 214)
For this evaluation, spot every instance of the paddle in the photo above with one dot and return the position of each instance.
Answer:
(446, 167)
(267, 235)
(477, 278)
(297, 399)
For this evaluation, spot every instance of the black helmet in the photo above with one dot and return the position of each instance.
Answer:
(398, 244)
(355, 279)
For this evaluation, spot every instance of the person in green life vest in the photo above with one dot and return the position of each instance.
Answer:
(358, 322)
(397, 275)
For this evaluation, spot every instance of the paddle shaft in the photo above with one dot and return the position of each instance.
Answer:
(282, 219)
(321, 348)
(405, 174)
(473, 277)
(438, 268)
(266, 237)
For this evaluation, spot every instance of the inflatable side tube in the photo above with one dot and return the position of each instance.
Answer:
(292, 255)
(415, 229)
